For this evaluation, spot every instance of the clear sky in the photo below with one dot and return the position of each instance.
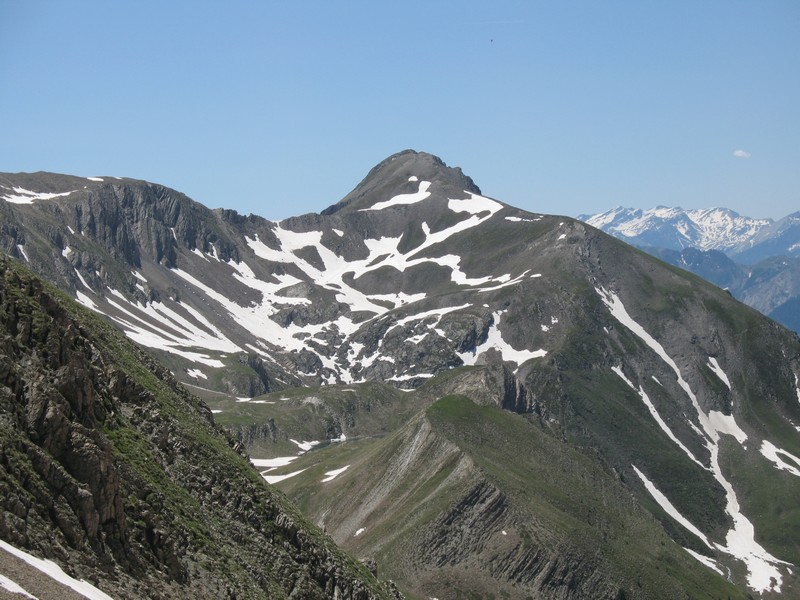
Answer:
(281, 108)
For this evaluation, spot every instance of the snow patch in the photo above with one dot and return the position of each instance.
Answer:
(23, 196)
(401, 199)
(495, 340)
(474, 205)
(304, 446)
(66, 252)
(200, 254)
(331, 475)
(796, 381)
(52, 570)
(359, 532)
(83, 281)
(95, 178)
(669, 508)
(272, 463)
(21, 249)
(661, 423)
(86, 301)
(771, 452)
(196, 374)
(714, 366)
(709, 562)
(13, 587)
(272, 479)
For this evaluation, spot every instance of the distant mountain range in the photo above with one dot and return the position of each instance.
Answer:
(757, 260)
(475, 400)
(744, 239)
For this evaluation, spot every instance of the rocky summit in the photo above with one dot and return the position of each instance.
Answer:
(476, 400)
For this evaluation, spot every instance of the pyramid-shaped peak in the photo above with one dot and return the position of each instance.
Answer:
(402, 173)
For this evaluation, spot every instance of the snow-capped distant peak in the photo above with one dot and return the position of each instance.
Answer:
(677, 228)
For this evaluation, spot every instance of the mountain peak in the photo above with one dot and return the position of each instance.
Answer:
(399, 174)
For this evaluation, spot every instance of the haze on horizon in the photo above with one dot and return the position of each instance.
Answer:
(282, 108)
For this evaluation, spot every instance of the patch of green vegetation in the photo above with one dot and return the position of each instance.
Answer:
(575, 495)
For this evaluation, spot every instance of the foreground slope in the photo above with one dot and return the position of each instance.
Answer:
(112, 470)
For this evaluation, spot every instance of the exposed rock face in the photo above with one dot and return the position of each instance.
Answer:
(113, 470)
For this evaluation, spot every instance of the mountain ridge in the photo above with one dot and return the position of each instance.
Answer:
(659, 381)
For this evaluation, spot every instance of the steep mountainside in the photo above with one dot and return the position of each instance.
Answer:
(112, 470)
(631, 428)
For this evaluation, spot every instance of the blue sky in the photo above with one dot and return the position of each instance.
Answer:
(281, 108)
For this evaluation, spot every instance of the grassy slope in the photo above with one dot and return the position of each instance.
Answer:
(555, 494)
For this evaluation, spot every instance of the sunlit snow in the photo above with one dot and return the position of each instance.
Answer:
(714, 366)
(273, 463)
(772, 453)
(86, 301)
(271, 479)
(21, 249)
(400, 199)
(709, 562)
(23, 196)
(83, 281)
(304, 446)
(494, 340)
(797, 387)
(52, 570)
(331, 475)
(13, 587)
(669, 508)
(661, 423)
